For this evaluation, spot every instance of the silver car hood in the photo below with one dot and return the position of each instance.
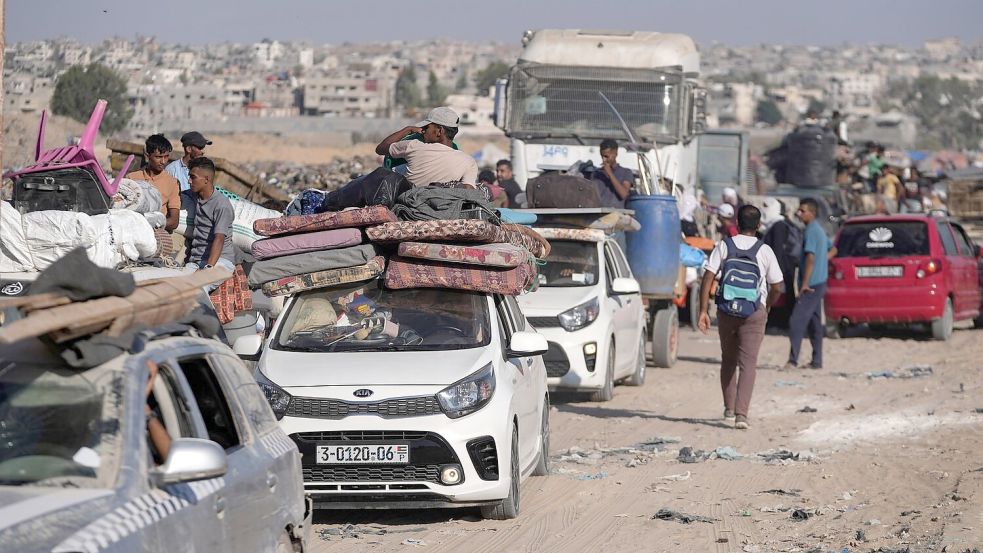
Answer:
(289, 369)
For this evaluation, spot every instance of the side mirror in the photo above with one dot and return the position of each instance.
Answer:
(248, 346)
(527, 344)
(622, 285)
(190, 459)
(500, 105)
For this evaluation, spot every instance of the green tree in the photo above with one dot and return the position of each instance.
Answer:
(462, 81)
(407, 92)
(485, 79)
(78, 89)
(767, 112)
(436, 93)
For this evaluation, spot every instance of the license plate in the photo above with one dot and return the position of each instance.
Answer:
(363, 454)
(892, 271)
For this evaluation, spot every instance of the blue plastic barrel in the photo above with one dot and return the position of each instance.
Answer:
(653, 251)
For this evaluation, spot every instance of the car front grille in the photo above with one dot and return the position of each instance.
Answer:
(544, 322)
(340, 473)
(557, 363)
(359, 436)
(317, 408)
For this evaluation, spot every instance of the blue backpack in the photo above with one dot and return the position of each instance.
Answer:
(738, 294)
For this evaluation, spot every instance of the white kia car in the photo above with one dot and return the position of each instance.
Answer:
(409, 398)
(589, 308)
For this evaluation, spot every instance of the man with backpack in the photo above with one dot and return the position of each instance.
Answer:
(749, 283)
(785, 239)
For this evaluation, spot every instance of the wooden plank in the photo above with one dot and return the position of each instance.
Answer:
(153, 304)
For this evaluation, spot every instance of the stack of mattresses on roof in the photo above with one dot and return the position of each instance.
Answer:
(304, 252)
(327, 249)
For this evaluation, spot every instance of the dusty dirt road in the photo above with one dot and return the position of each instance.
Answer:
(884, 463)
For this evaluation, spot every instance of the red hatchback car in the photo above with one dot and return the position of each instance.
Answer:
(899, 269)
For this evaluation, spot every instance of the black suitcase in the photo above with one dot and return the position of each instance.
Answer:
(553, 190)
(380, 187)
(74, 189)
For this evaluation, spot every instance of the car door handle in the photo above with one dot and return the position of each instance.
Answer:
(220, 506)
(271, 481)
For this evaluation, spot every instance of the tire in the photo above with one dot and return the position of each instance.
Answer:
(607, 392)
(508, 508)
(835, 331)
(694, 305)
(543, 463)
(638, 377)
(942, 327)
(978, 321)
(665, 337)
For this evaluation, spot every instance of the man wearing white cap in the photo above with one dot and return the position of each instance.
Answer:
(434, 160)
(725, 215)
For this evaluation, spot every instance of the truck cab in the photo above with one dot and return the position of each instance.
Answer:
(554, 103)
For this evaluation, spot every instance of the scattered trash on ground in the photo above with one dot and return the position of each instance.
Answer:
(789, 384)
(722, 540)
(689, 455)
(807, 409)
(850, 408)
(861, 535)
(727, 453)
(349, 531)
(801, 514)
(598, 476)
(668, 514)
(786, 455)
(676, 477)
(910, 371)
(779, 491)
(413, 542)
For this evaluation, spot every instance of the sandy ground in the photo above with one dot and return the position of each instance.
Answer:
(884, 464)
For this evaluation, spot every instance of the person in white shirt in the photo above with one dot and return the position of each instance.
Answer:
(434, 160)
(740, 338)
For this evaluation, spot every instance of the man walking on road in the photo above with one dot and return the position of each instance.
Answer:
(742, 331)
(807, 316)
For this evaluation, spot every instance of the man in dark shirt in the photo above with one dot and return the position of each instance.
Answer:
(613, 181)
(503, 171)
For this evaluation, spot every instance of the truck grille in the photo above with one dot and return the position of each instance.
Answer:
(317, 408)
(557, 363)
(334, 473)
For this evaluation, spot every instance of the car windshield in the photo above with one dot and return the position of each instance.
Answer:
(883, 239)
(58, 426)
(569, 264)
(369, 317)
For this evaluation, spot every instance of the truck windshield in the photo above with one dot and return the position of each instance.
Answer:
(570, 264)
(58, 427)
(369, 317)
(563, 101)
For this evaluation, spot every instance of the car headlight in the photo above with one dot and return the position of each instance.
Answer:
(278, 398)
(580, 316)
(469, 394)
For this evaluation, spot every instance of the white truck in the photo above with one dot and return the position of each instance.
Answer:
(554, 104)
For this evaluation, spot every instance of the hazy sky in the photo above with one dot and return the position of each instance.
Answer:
(737, 22)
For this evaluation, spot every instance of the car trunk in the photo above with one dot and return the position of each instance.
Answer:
(882, 254)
